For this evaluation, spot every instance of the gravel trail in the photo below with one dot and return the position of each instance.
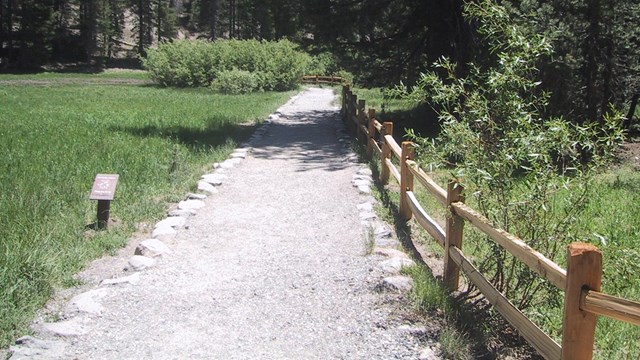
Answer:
(273, 267)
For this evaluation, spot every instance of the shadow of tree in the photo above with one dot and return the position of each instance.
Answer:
(216, 133)
(308, 138)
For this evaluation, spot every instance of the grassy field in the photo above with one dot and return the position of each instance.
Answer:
(610, 221)
(57, 137)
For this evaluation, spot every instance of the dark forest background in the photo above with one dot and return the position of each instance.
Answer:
(596, 58)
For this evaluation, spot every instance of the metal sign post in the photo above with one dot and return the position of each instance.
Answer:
(103, 190)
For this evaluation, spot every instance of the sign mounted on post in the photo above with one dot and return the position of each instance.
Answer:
(104, 187)
(104, 190)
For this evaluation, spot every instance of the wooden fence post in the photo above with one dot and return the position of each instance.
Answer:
(353, 113)
(372, 130)
(361, 120)
(343, 111)
(584, 272)
(406, 179)
(387, 129)
(453, 237)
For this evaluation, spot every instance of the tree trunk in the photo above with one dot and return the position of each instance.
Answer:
(213, 18)
(141, 25)
(590, 65)
(626, 123)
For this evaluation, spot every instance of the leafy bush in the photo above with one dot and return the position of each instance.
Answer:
(235, 82)
(322, 64)
(182, 63)
(528, 174)
(275, 65)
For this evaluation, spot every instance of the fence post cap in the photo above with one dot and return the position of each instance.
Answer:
(579, 248)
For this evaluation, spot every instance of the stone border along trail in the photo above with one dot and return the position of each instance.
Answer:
(267, 261)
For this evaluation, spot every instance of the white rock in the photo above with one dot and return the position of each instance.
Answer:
(389, 252)
(227, 165)
(164, 230)
(131, 279)
(367, 215)
(206, 187)
(214, 179)
(367, 206)
(274, 117)
(399, 283)
(28, 348)
(175, 222)
(428, 354)
(152, 248)
(414, 329)
(193, 196)
(138, 262)
(73, 327)
(215, 165)
(88, 302)
(183, 213)
(242, 149)
(191, 205)
(394, 265)
(238, 155)
(363, 177)
(364, 189)
(357, 183)
(383, 232)
(366, 172)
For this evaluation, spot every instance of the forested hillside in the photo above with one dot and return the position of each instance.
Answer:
(595, 60)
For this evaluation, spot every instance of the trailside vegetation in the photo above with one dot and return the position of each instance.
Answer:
(230, 66)
(528, 173)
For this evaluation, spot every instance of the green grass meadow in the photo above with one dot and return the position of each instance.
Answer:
(56, 137)
(609, 221)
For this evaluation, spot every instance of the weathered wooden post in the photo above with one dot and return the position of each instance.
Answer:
(361, 119)
(103, 190)
(343, 111)
(372, 131)
(454, 227)
(584, 272)
(406, 179)
(353, 114)
(387, 129)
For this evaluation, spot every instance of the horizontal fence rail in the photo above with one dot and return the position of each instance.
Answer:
(318, 79)
(581, 281)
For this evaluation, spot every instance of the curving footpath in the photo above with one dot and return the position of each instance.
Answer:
(271, 260)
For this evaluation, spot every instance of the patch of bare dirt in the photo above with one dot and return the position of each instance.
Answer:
(629, 154)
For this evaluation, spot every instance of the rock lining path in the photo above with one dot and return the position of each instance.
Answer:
(271, 264)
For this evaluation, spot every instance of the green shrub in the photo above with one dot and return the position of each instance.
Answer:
(322, 64)
(185, 63)
(182, 63)
(235, 82)
(347, 76)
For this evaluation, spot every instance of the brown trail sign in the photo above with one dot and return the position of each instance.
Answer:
(103, 190)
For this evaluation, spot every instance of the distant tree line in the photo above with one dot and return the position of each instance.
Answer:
(36, 32)
(596, 42)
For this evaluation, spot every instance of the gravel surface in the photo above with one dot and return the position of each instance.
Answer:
(273, 267)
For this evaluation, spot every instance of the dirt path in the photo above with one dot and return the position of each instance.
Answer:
(273, 267)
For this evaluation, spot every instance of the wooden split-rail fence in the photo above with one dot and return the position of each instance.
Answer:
(319, 79)
(581, 281)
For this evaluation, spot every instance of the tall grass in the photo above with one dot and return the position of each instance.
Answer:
(56, 138)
